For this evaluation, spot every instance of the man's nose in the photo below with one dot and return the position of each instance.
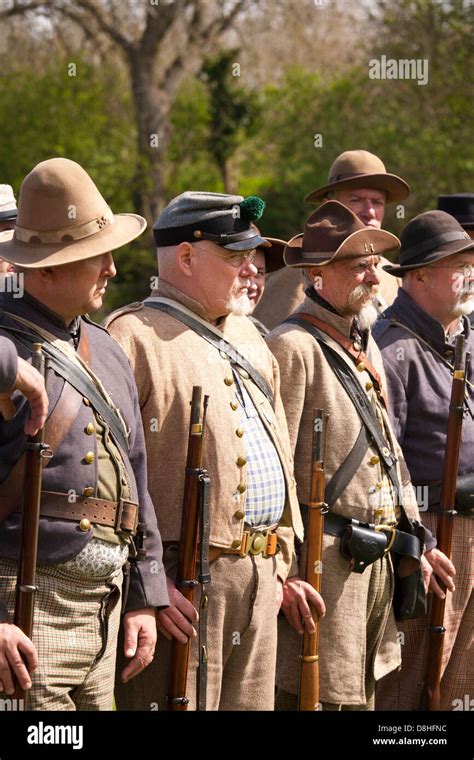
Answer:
(248, 268)
(109, 269)
(372, 276)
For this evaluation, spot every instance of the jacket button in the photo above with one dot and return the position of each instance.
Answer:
(89, 457)
(90, 428)
(357, 346)
(239, 515)
(378, 486)
(88, 491)
(229, 380)
(241, 488)
(236, 543)
(360, 367)
(234, 405)
(239, 433)
(378, 512)
(375, 459)
(86, 401)
(85, 524)
(369, 386)
(243, 373)
(241, 461)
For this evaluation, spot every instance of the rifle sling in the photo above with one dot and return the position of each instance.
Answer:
(212, 336)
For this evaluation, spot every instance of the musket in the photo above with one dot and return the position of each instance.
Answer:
(431, 694)
(36, 452)
(194, 536)
(317, 508)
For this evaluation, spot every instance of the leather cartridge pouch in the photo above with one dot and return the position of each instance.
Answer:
(409, 597)
(363, 546)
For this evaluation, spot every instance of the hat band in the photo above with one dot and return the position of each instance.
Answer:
(323, 255)
(66, 235)
(351, 175)
(431, 244)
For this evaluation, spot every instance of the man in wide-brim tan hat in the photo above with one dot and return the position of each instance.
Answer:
(94, 489)
(359, 180)
(358, 641)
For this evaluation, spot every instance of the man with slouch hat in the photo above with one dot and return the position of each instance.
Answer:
(94, 498)
(194, 330)
(328, 360)
(359, 180)
(416, 336)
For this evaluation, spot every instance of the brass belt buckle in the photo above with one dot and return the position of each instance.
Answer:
(258, 542)
(390, 538)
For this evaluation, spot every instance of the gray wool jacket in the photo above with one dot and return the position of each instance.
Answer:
(61, 540)
(419, 388)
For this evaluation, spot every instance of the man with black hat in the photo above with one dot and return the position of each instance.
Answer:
(8, 212)
(416, 337)
(328, 360)
(94, 487)
(461, 206)
(359, 180)
(193, 330)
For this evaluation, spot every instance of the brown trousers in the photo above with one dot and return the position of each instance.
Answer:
(241, 644)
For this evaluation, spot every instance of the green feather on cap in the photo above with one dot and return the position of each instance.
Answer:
(251, 208)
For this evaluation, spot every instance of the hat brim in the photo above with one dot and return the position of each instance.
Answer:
(450, 249)
(125, 228)
(274, 254)
(395, 187)
(7, 216)
(256, 241)
(351, 248)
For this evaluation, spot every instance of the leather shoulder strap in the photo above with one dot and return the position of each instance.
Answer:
(219, 342)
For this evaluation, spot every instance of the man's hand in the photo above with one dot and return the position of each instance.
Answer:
(140, 641)
(18, 658)
(31, 384)
(296, 595)
(443, 569)
(179, 618)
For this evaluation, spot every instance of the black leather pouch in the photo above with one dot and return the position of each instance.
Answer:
(362, 546)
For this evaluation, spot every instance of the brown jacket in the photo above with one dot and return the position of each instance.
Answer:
(284, 292)
(308, 382)
(168, 359)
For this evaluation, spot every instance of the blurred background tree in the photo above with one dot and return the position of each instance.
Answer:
(302, 95)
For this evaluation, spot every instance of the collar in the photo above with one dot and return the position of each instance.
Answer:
(167, 290)
(407, 311)
(348, 326)
(37, 312)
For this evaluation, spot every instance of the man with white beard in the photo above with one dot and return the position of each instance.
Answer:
(193, 330)
(416, 336)
(367, 483)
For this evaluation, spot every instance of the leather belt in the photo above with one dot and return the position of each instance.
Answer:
(122, 515)
(255, 541)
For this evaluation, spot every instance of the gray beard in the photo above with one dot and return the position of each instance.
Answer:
(463, 308)
(367, 316)
(240, 307)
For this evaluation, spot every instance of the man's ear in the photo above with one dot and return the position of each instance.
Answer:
(47, 275)
(185, 255)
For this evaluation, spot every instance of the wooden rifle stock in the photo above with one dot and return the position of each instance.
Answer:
(309, 659)
(36, 451)
(431, 695)
(188, 549)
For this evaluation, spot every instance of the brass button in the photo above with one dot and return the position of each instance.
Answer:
(357, 345)
(375, 459)
(243, 373)
(385, 451)
(90, 428)
(85, 524)
(234, 405)
(257, 543)
(360, 367)
(236, 543)
(378, 486)
(88, 491)
(378, 512)
(89, 457)
(239, 432)
(239, 515)
(229, 380)
(241, 488)
(241, 461)
(86, 401)
(369, 386)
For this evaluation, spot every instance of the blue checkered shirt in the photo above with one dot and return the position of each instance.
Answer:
(265, 494)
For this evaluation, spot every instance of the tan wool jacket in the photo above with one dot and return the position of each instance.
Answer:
(307, 383)
(168, 358)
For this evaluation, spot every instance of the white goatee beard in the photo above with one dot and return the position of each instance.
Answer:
(367, 316)
(240, 305)
(462, 308)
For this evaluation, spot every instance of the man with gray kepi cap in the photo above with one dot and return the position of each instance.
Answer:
(8, 212)
(416, 336)
(359, 180)
(193, 330)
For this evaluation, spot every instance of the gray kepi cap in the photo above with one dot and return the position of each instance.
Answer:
(224, 219)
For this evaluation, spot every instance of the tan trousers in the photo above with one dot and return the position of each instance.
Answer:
(241, 644)
(75, 633)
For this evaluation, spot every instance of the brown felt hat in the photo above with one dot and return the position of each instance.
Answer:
(273, 254)
(62, 217)
(427, 238)
(359, 168)
(334, 232)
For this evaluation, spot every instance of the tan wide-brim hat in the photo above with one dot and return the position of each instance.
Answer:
(62, 218)
(359, 168)
(333, 232)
